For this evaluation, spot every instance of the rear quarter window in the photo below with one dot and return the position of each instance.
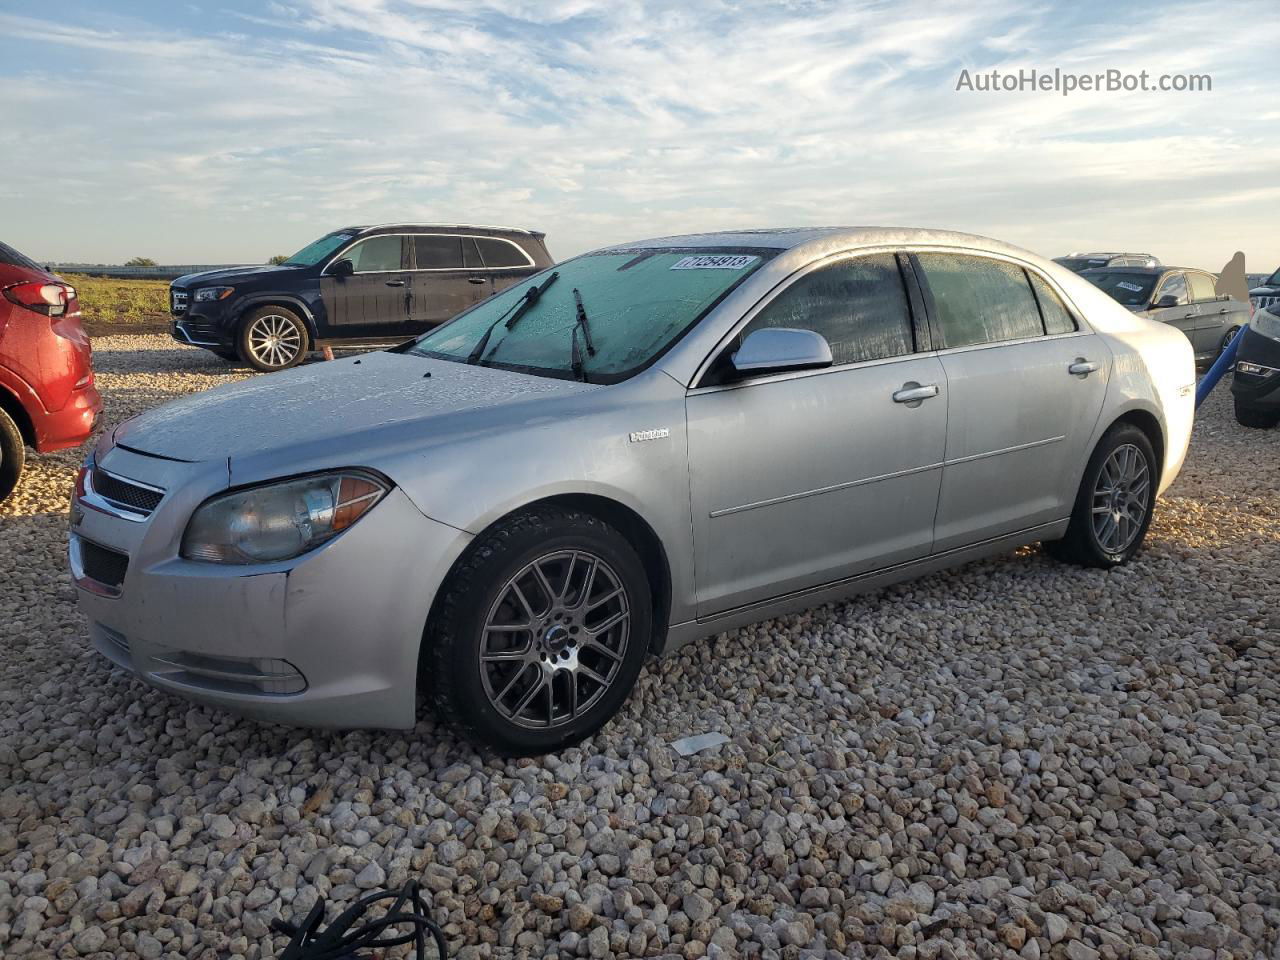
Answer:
(501, 253)
(1057, 319)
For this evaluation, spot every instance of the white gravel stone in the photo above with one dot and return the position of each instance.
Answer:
(923, 772)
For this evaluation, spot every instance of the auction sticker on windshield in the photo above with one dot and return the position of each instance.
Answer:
(722, 262)
(1126, 285)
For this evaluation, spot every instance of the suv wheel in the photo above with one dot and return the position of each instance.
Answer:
(1115, 502)
(1258, 419)
(13, 454)
(540, 632)
(273, 338)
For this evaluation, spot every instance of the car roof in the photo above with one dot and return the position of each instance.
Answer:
(438, 228)
(790, 238)
(1166, 268)
(1090, 255)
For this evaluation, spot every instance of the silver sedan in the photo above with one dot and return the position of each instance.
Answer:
(636, 448)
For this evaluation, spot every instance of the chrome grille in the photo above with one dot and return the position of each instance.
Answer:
(125, 493)
(1266, 302)
(178, 300)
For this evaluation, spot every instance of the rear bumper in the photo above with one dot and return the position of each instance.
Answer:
(1257, 389)
(72, 425)
(330, 639)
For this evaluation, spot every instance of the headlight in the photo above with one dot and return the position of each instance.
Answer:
(1266, 323)
(213, 293)
(279, 521)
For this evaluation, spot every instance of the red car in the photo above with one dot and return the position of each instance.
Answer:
(47, 397)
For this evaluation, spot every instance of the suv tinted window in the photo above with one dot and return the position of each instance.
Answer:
(501, 253)
(14, 259)
(859, 305)
(1175, 284)
(978, 300)
(375, 254)
(1202, 286)
(1057, 319)
(438, 253)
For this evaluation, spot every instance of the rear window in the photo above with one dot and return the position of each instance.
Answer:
(14, 259)
(502, 253)
(980, 301)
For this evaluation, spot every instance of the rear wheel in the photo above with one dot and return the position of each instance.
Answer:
(1258, 419)
(13, 454)
(540, 633)
(1113, 507)
(273, 338)
(1227, 338)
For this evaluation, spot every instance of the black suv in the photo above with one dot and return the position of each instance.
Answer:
(357, 285)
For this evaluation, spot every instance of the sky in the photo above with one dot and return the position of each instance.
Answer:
(230, 132)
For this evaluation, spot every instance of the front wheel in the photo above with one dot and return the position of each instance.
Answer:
(1258, 419)
(1115, 502)
(540, 633)
(272, 338)
(13, 454)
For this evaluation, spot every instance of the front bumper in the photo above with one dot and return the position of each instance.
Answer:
(1258, 390)
(330, 639)
(205, 323)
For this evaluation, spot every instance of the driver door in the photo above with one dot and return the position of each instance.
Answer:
(803, 478)
(1183, 314)
(373, 302)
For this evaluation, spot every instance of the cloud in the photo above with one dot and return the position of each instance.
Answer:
(601, 122)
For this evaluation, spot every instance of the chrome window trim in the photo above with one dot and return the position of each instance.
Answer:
(1082, 328)
(340, 255)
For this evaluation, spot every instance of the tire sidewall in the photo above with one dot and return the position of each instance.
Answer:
(242, 339)
(1083, 514)
(463, 636)
(13, 454)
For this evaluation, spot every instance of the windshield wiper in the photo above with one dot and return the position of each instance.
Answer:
(580, 321)
(512, 316)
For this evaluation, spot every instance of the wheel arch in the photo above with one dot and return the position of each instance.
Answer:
(1149, 424)
(284, 301)
(637, 531)
(11, 405)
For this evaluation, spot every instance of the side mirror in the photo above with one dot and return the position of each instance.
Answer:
(1168, 300)
(781, 348)
(342, 268)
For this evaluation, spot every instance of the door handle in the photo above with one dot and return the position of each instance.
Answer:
(1082, 367)
(395, 283)
(913, 394)
(477, 279)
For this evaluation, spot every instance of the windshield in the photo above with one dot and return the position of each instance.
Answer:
(1273, 280)
(637, 304)
(317, 250)
(1130, 289)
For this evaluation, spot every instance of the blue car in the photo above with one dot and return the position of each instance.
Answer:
(354, 286)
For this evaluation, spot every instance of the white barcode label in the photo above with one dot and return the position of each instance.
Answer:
(714, 263)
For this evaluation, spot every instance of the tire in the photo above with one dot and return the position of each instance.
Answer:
(273, 338)
(502, 703)
(1257, 419)
(1123, 462)
(1227, 338)
(13, 454)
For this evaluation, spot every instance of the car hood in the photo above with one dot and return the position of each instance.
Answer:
(231, 273)
(345, 404)
(1264, 291)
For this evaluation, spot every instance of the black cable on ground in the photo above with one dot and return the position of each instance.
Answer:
(341, 941)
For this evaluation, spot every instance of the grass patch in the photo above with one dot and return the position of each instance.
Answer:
(108, 302)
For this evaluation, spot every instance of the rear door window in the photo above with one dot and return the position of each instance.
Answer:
(437, 253)
(859, 306)
(501, 253)
(977, 300)
(376, 255)
(1057, 319)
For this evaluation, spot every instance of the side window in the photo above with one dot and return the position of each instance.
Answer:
(1202, 287)
(978, 300)
(437, 253)
(471, 254)
(1174, 285)
(859, 305)
(376, 254)
(1057, 319)
(501, 253)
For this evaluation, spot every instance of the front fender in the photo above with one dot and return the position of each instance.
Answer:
(291, 300)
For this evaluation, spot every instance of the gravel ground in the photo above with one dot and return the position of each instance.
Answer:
(1017, 757)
